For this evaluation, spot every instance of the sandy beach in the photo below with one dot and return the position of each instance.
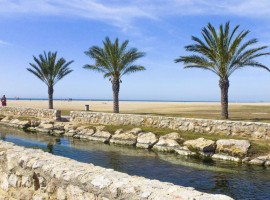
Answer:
(238, 111)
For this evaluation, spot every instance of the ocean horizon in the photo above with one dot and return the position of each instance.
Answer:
(131, 100)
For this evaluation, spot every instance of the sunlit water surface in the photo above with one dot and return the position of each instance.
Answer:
(234, 180)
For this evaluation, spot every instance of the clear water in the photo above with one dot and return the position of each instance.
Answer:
(237, 181)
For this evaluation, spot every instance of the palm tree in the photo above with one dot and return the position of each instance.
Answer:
(223, 52)
(50, 71)
(114, 60)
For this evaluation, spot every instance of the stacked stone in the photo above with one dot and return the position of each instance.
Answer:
(250, 129)
(31, 112)
(229, 149)
(34, 174)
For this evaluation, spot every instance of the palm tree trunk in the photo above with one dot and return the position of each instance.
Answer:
(50, 92)
(115, 88)
(224, 87)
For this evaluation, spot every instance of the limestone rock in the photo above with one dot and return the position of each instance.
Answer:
(7, 119)
(226, 157)
(184, 151)
(257, 161)
(99, 128)
(14, 121)
(46, 126)
(232, 147)
(34, 123)
(146, 140)
(70, 133)
(57, 132)
(201, 144)
(168, 143)
(103, 136)
(24, 124)
(246, 160)
(126, 138)
(61, 195)
(69, 127)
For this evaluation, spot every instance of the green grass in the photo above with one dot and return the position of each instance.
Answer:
(65, 112)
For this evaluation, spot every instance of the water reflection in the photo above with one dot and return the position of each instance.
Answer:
(239, 182)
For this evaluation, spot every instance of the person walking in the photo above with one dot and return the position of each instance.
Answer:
(4, 100)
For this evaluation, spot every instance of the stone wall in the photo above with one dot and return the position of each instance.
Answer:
(248, 129)
(34, 174)
(31, 112)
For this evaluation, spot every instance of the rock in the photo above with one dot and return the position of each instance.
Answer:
(14, 121)
(13, 180)
(174, 136)
(25, 194)
(103, 136)
(146, 140)
(256, 161)
(84, 133)
(184, 151)
(43, 130)
(70, 133)
(61, 195)
(34, 123)
(59, 126)
(201, 144)
(26, 181)
(126, 138)
(168, 143)
(99, 128)
(24, 124)
(46, 126)
(226, 157)
(246, 160)
(4, 183)
(267, 163)
(57, 132)
(232, 147)
(6, 119)
(69, 127)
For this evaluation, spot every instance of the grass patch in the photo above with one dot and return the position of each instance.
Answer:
(65, 112)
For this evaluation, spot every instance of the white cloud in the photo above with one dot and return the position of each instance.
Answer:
(122, 13)
(3, 43)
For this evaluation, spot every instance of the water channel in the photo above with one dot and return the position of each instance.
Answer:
(235, 180)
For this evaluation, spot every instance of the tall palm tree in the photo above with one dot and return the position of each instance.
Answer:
(223, 52)
(114, 60)
(50, 71)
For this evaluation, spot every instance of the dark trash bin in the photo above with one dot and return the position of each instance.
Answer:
(86, 107)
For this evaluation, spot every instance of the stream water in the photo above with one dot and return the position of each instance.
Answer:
(235, 180)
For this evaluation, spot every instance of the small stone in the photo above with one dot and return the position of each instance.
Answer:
(267, 163)
(246, 160)
(256, 161)
(226, 157)
(184, 151)
(26, 181)
(13, 180)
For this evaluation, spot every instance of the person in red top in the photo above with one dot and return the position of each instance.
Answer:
(4, 100)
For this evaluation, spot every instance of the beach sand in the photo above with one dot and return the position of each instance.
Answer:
(238, 111)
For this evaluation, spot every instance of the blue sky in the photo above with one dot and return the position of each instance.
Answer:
(160, 28)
